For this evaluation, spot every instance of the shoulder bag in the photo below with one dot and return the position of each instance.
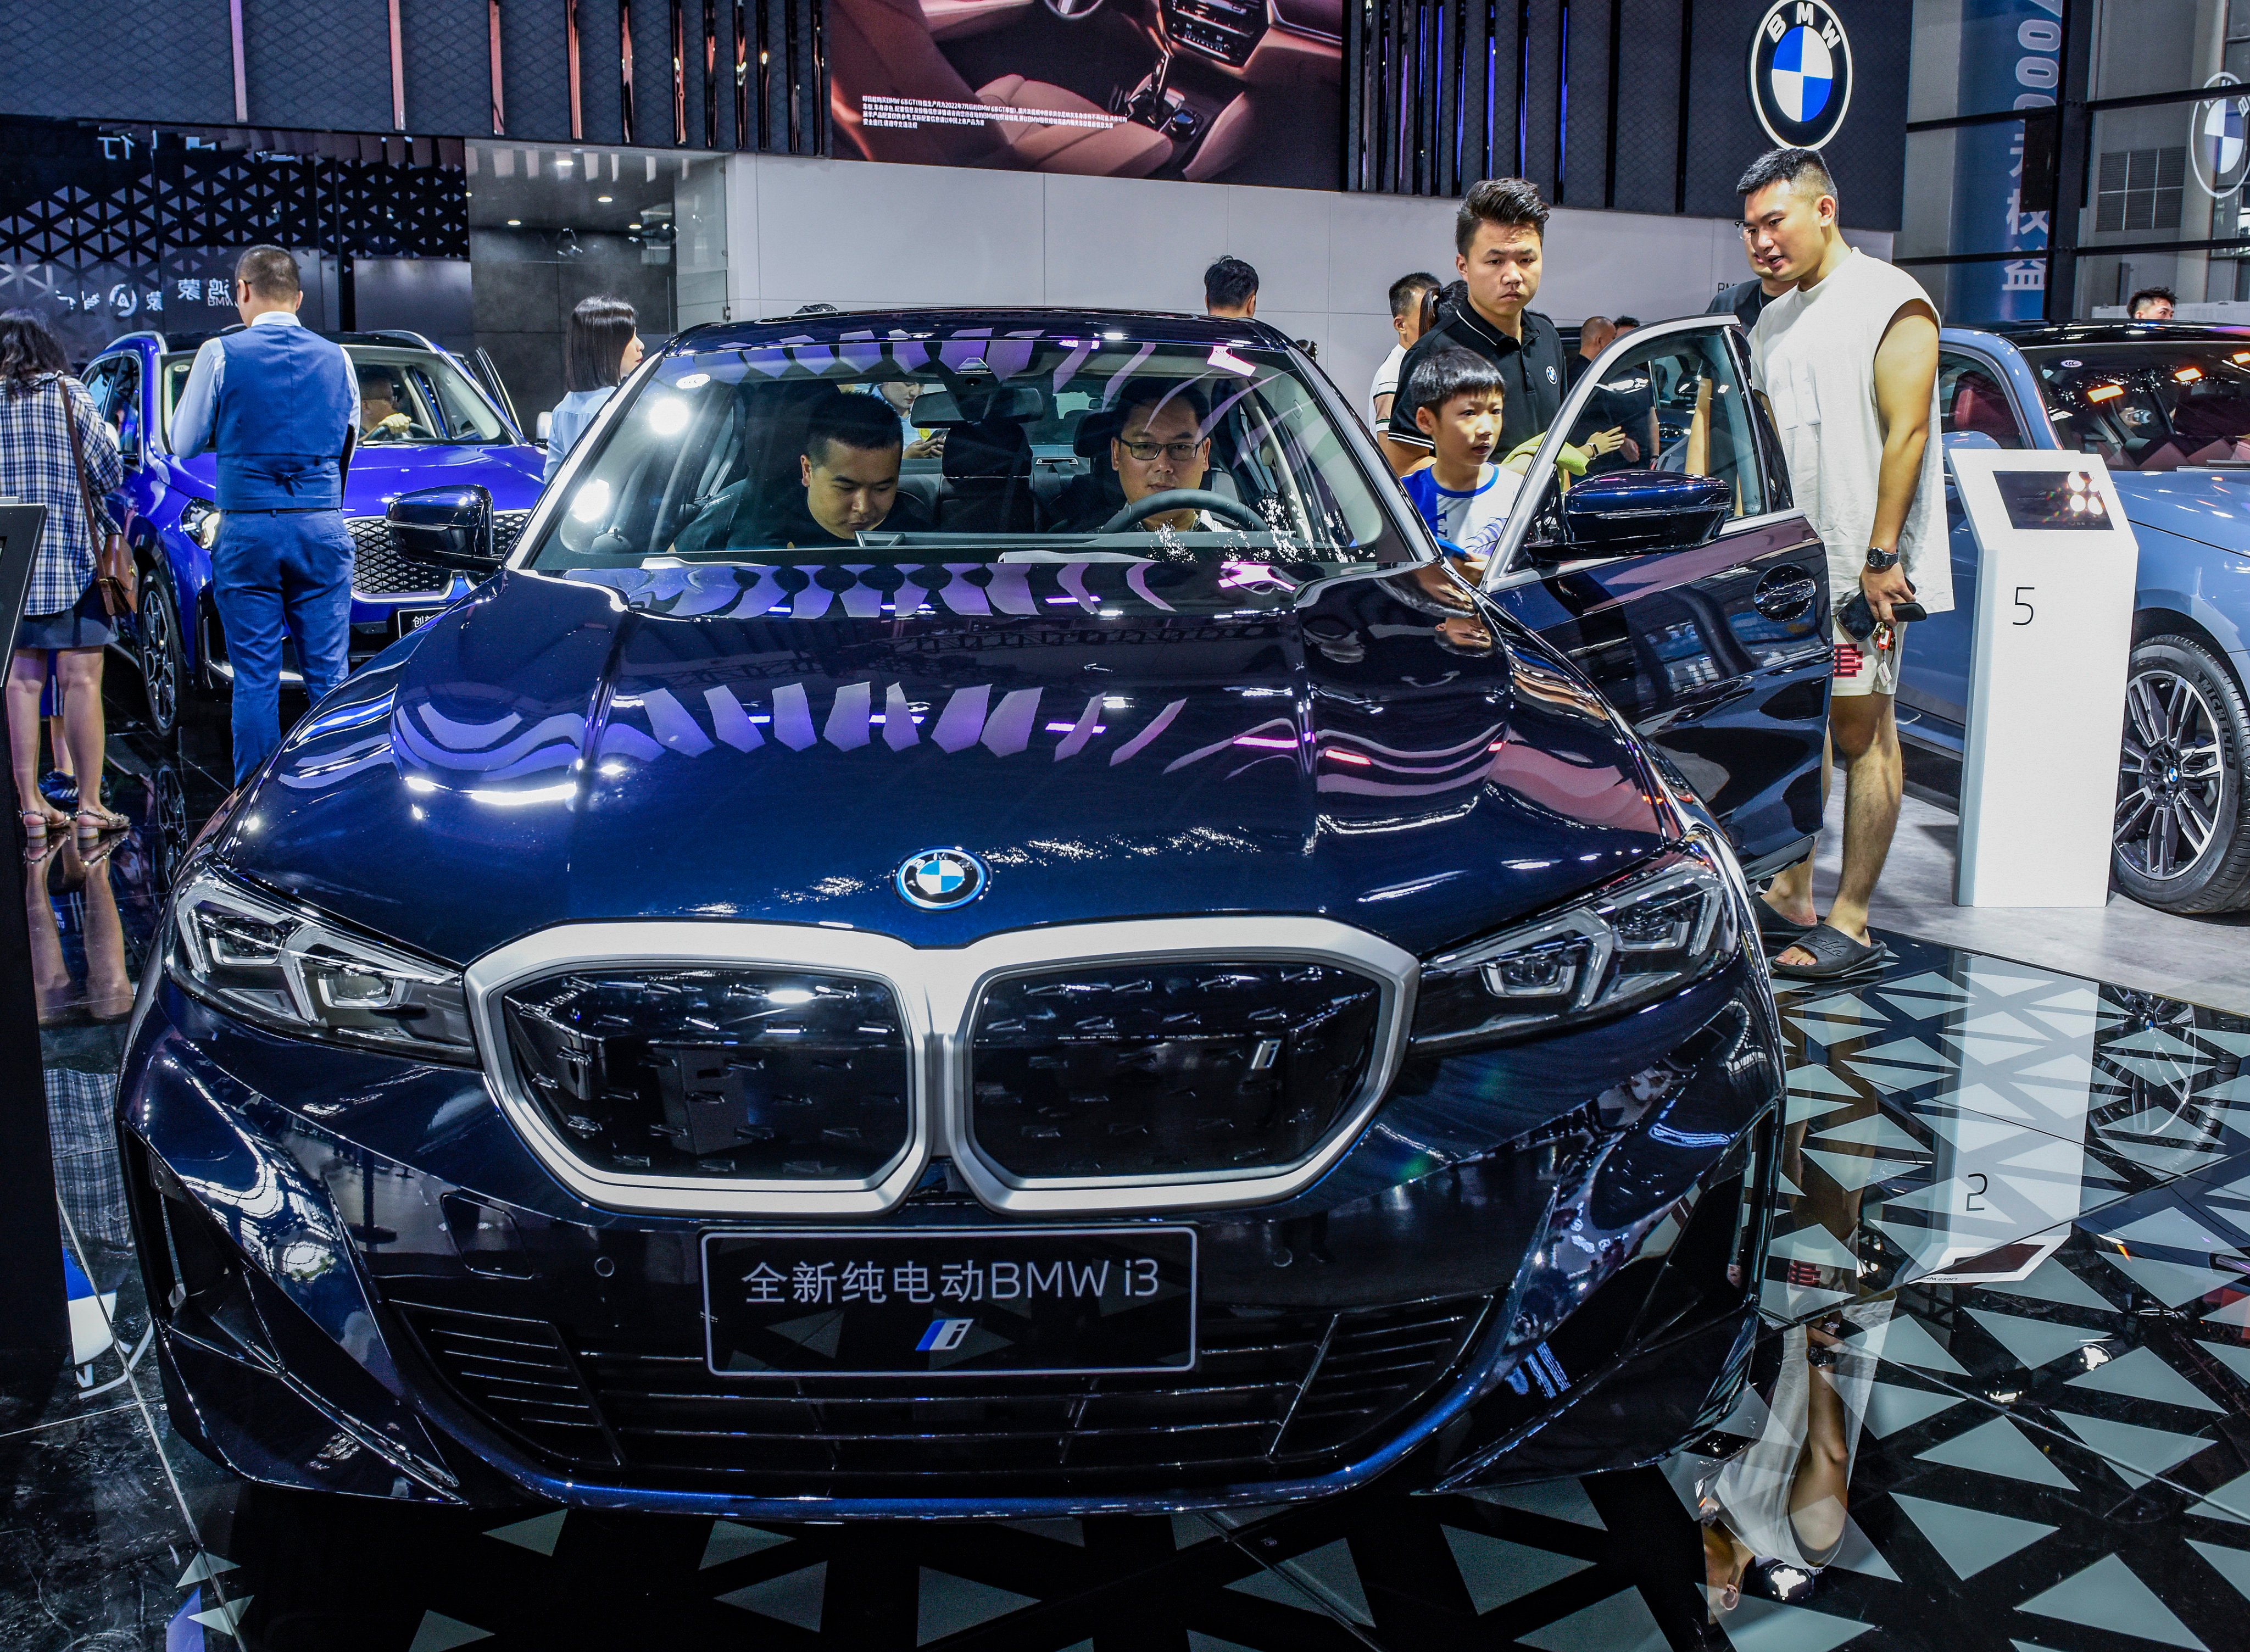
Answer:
(114, 571)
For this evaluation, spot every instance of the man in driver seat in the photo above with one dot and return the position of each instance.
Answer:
(380, 416)
(1161, 446)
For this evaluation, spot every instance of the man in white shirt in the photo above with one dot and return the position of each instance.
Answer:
(1405, 321)
(1847, 356)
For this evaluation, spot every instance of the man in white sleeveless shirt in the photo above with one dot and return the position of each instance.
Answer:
(1847, 355)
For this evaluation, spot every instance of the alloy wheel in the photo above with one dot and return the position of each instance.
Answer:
(160, 655)
(2172, 779)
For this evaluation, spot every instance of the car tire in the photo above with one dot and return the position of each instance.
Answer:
(164, 664)
(2181, 841)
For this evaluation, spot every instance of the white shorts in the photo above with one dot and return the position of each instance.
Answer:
(1871, 666)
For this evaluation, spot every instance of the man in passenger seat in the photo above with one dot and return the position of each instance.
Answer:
(849, 477)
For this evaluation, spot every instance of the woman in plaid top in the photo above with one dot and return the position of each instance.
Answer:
(63, 612)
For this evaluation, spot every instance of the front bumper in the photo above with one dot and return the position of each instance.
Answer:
(365, 1282)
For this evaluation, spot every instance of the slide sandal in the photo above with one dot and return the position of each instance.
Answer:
(1835, 955)
(1777, 932)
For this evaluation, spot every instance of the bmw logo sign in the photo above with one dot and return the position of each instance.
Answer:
(1801, 72)
(936, 880)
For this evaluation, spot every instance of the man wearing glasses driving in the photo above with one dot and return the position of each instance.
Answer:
(1161, 445)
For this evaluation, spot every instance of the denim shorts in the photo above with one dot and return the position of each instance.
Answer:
(85, 624)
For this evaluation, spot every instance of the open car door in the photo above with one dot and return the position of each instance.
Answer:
(1680, 579)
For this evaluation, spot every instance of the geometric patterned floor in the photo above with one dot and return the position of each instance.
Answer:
(2016, 1241)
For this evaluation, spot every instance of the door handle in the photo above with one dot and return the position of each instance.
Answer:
(1786, 593)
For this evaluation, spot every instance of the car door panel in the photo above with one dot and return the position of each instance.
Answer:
(1975, 409)
(1718, 654)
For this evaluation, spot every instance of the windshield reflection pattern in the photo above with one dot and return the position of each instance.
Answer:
(1041, 444)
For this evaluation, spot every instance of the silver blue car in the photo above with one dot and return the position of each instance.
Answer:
(2167, 407)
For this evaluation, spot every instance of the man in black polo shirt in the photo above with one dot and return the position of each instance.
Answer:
(1497, 240)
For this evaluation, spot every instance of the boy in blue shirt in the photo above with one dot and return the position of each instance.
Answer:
(1457, 398)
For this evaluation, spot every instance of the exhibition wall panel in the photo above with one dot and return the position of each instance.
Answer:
(1325, 261)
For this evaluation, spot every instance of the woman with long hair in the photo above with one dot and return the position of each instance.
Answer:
(601, 347)
(64, 616)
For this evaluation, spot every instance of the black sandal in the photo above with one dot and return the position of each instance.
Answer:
(1778, 933)
(1835, 955)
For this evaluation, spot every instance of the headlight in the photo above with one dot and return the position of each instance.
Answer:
(256, 959)
(200, 522)
(1653, 932)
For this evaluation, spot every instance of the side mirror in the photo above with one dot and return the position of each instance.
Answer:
(446, 528)
(1636, 512)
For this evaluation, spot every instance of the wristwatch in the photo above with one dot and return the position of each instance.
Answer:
(1881, 561)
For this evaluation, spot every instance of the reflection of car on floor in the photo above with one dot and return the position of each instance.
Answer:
(429, 417)
(2168, 409)
(1213, 90)
(1048, 1002)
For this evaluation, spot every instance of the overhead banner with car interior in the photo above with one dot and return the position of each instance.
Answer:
(1211, 90)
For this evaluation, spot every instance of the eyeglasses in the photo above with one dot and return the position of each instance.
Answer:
(1179, 453)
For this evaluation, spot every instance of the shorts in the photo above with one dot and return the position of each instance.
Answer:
(85, 624)
(1863, 668)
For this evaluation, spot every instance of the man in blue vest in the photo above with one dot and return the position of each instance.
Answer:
(278, 404)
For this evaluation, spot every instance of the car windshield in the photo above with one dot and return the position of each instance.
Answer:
(2149, 406)
(1054, 445)
(406, 398)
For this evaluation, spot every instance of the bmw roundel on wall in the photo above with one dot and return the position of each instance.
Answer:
(1801, 72)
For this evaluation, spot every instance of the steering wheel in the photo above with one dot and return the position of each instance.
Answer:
(1074, 10)
(1182, 499)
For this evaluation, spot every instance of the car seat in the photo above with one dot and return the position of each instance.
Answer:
(1979, 406)
(885, 47)
(988, 479)
(1085, 503)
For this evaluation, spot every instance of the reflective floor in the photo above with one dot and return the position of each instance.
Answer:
(2002, 1401)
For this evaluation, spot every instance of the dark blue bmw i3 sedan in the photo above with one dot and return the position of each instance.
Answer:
(1091, 969)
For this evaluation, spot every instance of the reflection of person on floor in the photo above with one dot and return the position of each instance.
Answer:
(1784, 1497)
(107, 995)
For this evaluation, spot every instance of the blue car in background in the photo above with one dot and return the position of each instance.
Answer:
(427, 418)
(2168, 409)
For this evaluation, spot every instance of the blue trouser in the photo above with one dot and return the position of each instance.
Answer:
(276, 574)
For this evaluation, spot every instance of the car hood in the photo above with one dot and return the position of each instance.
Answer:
(380, 473)
(1114, 740)
(2211, 507)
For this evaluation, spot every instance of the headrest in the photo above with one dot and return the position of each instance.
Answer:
(996, 448)
(1096, 431)
(936, 407)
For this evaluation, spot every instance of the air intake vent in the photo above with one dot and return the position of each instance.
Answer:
(517, 1373)
(1168, 1068)
(1272, 1393)
(748, 1073)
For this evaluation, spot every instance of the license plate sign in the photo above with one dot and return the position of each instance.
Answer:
(950, 1302)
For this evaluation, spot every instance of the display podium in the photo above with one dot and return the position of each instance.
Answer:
(2056, 569)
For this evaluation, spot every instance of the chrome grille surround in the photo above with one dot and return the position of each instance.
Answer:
(937, 991)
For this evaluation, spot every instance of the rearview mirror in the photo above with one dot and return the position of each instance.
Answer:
(446, 528)
(1633, 513)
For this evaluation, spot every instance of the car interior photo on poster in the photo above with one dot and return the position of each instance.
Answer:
(1209, 91)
